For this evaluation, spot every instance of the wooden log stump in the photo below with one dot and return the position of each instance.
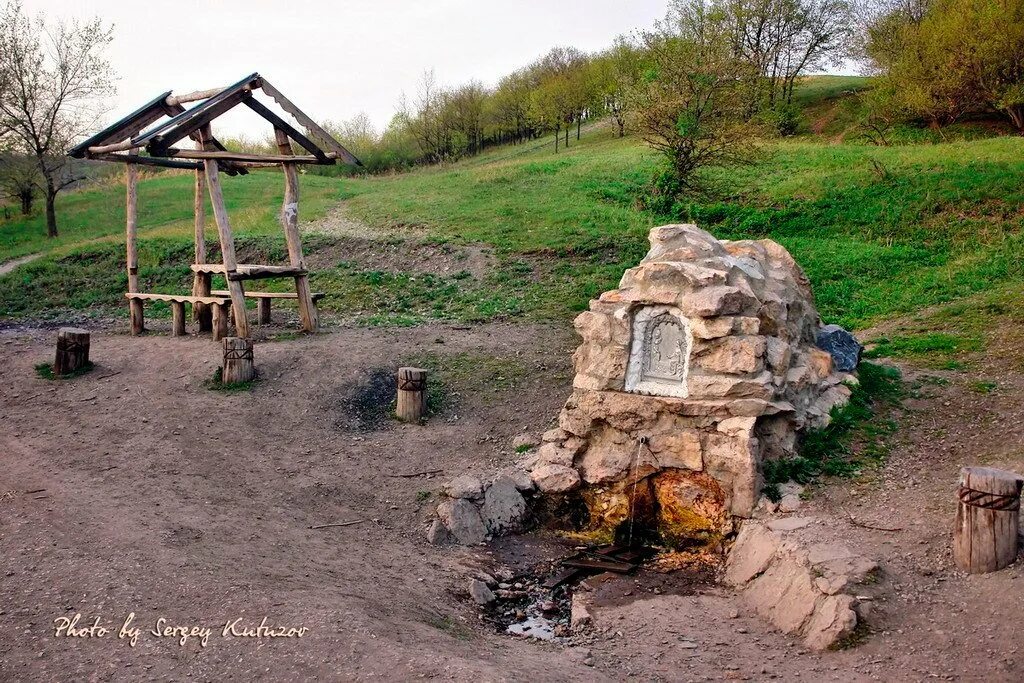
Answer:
(221, 317)
(412, 394)
(238, 362)
(72, 350)
(263, 305)
(987, 519)
(177, 318)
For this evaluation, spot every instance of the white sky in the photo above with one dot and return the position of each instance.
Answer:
(336, 59)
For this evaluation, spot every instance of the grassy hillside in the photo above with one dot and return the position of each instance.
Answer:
(881, 231)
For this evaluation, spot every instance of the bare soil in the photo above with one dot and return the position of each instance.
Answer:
(137, 489)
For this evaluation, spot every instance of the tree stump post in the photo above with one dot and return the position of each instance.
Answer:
(987, 519)
(412, 394)
(263, 305)
(238, 362)
(177, 318)
(72, 350)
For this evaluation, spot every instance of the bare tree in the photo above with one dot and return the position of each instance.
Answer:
(52, 77)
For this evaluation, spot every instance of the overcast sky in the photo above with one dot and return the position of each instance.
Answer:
(336, 59)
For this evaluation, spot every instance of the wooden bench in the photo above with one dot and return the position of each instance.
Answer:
(221, 310)
(263, 300)
(248, 271)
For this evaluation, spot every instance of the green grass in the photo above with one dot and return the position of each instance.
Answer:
(45, 371)
(856, 437)
(216, 383)
(880, 231)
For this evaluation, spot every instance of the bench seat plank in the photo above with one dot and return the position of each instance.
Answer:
(272, 295)
(249, 271)
(180, 298)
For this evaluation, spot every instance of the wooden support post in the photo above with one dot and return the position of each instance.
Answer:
(201, 313)
(290, 223)
(178, 318)
(72, 350)
(204, 312)
(987, 519)
(238, 362)
(221, 313)
(412, 394)
(263, 305)
(135, 310)
(227, 247)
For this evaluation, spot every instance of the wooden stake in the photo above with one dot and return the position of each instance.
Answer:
(412, 394)
(263, 306)
(987, 519)
(178, 318)
(290, 223)
(131, 226)
(72, 350)
(201, 313)
(227, 247)
(238, 362)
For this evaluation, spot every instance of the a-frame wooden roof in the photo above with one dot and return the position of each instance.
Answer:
(125, 138)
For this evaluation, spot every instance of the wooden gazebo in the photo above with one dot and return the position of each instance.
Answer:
(125, 140)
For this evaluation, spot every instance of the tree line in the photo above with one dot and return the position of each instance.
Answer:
(701, 87)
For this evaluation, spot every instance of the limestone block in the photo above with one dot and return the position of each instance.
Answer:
(778, 354)
(833, 620)
(594, 327)
(819, 362)
(711, 328)
(555, 454)
(713, 301)
(555, 478)
(733, 462)
(754, 549)
(676, 448)
(733, 355)
(702, 385)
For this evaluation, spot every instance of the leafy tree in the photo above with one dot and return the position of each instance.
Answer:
(52, 78)
(690, 104)
(614, 72)
(943, 59)
(19, 179)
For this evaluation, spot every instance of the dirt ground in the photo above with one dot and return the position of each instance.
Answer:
(137, 489)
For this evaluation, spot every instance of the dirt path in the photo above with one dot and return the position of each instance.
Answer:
(146, 492)
(8, 266)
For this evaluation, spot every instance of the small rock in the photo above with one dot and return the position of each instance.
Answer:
(843, 347)
(580, 617)
(521, 480)
(463, 521)
(438, 534)
(464, 486)
(486, 578)
(688, 645)
(503, 507)
(481, 594)
(790, 503)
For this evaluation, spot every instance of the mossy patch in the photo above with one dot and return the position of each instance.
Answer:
(45, 371)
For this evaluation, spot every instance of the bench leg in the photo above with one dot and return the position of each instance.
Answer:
(177, 318)
(221, 312)
(202, 313)
(264, 311)
(137, 318)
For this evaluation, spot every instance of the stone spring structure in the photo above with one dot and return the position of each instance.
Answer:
(705, 363)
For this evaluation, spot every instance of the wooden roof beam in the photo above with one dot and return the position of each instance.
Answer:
(310, 125)
(190, 120)
(288, 129)
(123, 128)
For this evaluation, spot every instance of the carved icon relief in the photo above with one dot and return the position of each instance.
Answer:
(660, 354)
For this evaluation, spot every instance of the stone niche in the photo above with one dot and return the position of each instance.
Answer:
(701, 366)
